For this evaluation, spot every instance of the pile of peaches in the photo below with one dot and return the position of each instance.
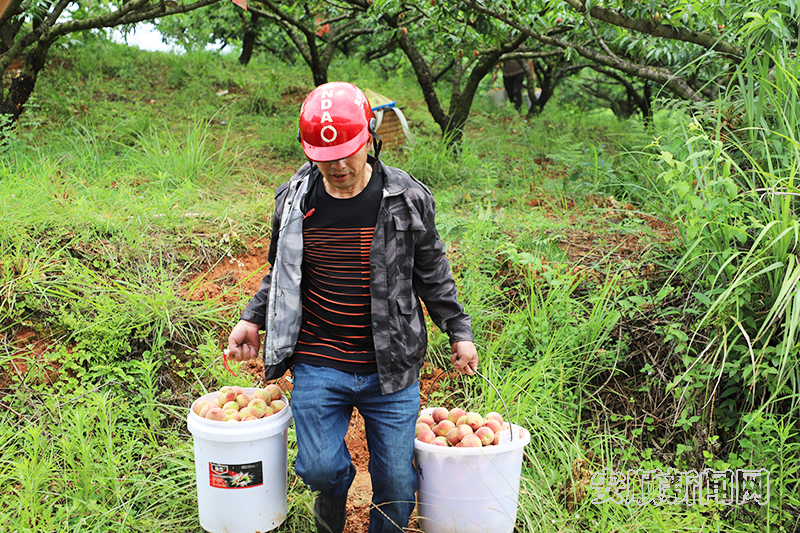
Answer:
(460, 428)
(232, 404)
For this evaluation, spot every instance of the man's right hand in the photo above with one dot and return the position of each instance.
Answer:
(244, 342)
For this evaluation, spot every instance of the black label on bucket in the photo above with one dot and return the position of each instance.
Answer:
(235, 476)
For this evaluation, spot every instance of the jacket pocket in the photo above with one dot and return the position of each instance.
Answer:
(412, 326)
(406, 230)
(285, 326)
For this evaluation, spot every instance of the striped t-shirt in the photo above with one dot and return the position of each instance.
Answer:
(337, 318)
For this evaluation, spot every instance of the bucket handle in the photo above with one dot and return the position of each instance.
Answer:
(487, 380)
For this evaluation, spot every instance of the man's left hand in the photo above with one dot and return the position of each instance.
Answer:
(464, 357)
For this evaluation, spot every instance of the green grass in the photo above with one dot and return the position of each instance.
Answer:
(124, 183)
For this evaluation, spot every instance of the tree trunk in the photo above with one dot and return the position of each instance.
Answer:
(22, 85)
(249, 39)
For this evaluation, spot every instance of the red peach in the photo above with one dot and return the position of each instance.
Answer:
(492, 424)
(443, 427)
(426, 435)
(245, 411)
(455, 413)
(558, 20)
(471, 441)
(452, 437)
(232, 414)
(258, 407)
(274, 391)
(277, 406)
(494, 415)
(474, 420)
(225, 395)
(403, 31)
(475, 53)
(485, 434)
(439, 414)
(248, 418)
(238, 390)
(461, 420)
(463, 431)
(263, 394)
(243, 399)
(426, 419)
(215, 413)
(419, 427)
(439, 441)
(198, 406)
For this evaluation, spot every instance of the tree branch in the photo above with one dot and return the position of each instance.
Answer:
(659, 75)
(709, 42)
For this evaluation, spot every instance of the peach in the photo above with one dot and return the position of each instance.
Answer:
(455, 413)
(452, 437)
(248, 418)
(204, 411)
(439, 441)
(215, 413)
(263, 394)
(243, 399)
(231, 405)
(485, 434)
(258, 407)
(443, 427)
(426, 435)
(198, 406)
(426, 419)
(461, 420)
(277, 406)
(492, 424)
(471, 441)
(419, 427)
(439, 414)
(232, 414)
(225, 395)
(463, 431)
(494, 416)
(496, 439)
(274, 391)
(474, 420)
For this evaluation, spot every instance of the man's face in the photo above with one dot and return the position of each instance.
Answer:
(347, 177)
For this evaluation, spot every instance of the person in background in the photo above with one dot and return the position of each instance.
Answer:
(354, 249)
(513, 79)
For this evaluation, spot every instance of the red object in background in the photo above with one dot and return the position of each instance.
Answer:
(241, 3)
(321, 30)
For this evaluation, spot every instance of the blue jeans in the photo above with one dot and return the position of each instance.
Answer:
(322, 403)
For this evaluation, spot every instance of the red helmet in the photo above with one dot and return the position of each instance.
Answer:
(334, 121)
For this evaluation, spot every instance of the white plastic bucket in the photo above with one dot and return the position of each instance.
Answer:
(241, 471)
(469, 490)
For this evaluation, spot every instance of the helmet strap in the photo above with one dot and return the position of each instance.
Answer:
(377, 143)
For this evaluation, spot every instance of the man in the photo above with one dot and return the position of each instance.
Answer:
(354, 248)
(513, 79)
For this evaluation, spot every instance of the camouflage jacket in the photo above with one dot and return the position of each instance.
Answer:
(407, 263)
